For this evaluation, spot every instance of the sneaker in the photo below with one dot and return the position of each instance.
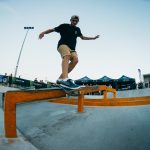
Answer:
(58, 81)
(72, 81)
(68, 84)
(81, 86)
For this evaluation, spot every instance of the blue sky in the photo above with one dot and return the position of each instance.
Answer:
(123, 46)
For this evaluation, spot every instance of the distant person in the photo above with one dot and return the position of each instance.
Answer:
(35, 80)
(10, 80)
(67, 49)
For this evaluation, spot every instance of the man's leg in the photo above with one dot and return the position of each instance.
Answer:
(65, 67)
(65, 54)
(73, 63)
(68, 63)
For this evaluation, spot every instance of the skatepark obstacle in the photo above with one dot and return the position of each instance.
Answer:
(12, 98)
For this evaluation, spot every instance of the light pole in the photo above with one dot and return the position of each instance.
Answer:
(26, 28)
(140, 75)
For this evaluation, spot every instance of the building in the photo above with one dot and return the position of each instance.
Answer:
(146, 78)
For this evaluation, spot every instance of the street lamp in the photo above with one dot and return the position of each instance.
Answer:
(140, 75)
(26, 28)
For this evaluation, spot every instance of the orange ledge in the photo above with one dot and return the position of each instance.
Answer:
(12, 98)
(106, 102)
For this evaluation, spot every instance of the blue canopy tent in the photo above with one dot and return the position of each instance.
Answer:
(125, 82)
(105, 80)
(85, 80)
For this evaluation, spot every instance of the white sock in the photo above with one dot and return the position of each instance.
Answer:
(59, 79)
(65, 79)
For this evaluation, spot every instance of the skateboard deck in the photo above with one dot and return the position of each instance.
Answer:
(77, 92)
(81, 90)
(69, 91)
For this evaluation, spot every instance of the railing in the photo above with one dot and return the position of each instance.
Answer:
(12, 98)
(92, 89)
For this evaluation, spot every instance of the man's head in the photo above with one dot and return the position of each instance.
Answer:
(74, 20)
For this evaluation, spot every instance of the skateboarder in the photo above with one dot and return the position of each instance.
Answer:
(67, 49)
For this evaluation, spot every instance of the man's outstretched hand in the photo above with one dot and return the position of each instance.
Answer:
(97, 36)
(41, 35)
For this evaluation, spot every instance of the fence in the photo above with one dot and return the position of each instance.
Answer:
(19, 82)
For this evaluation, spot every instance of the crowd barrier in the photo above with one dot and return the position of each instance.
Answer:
(19, 82)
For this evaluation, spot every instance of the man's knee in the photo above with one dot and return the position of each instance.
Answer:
(66, 57)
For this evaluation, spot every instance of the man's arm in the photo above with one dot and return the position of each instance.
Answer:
(89, 38)
(41, 35)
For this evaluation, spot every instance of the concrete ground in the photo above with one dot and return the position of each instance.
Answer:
(132, 93)
(48, 126)
(52, 127)
(4, 89)
(19, 143)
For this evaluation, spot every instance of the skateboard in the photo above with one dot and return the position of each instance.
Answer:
(71, 92)
(77, 92)
(68, 91)
(81, 91)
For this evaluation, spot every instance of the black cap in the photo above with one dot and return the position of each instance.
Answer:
(75, 17)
